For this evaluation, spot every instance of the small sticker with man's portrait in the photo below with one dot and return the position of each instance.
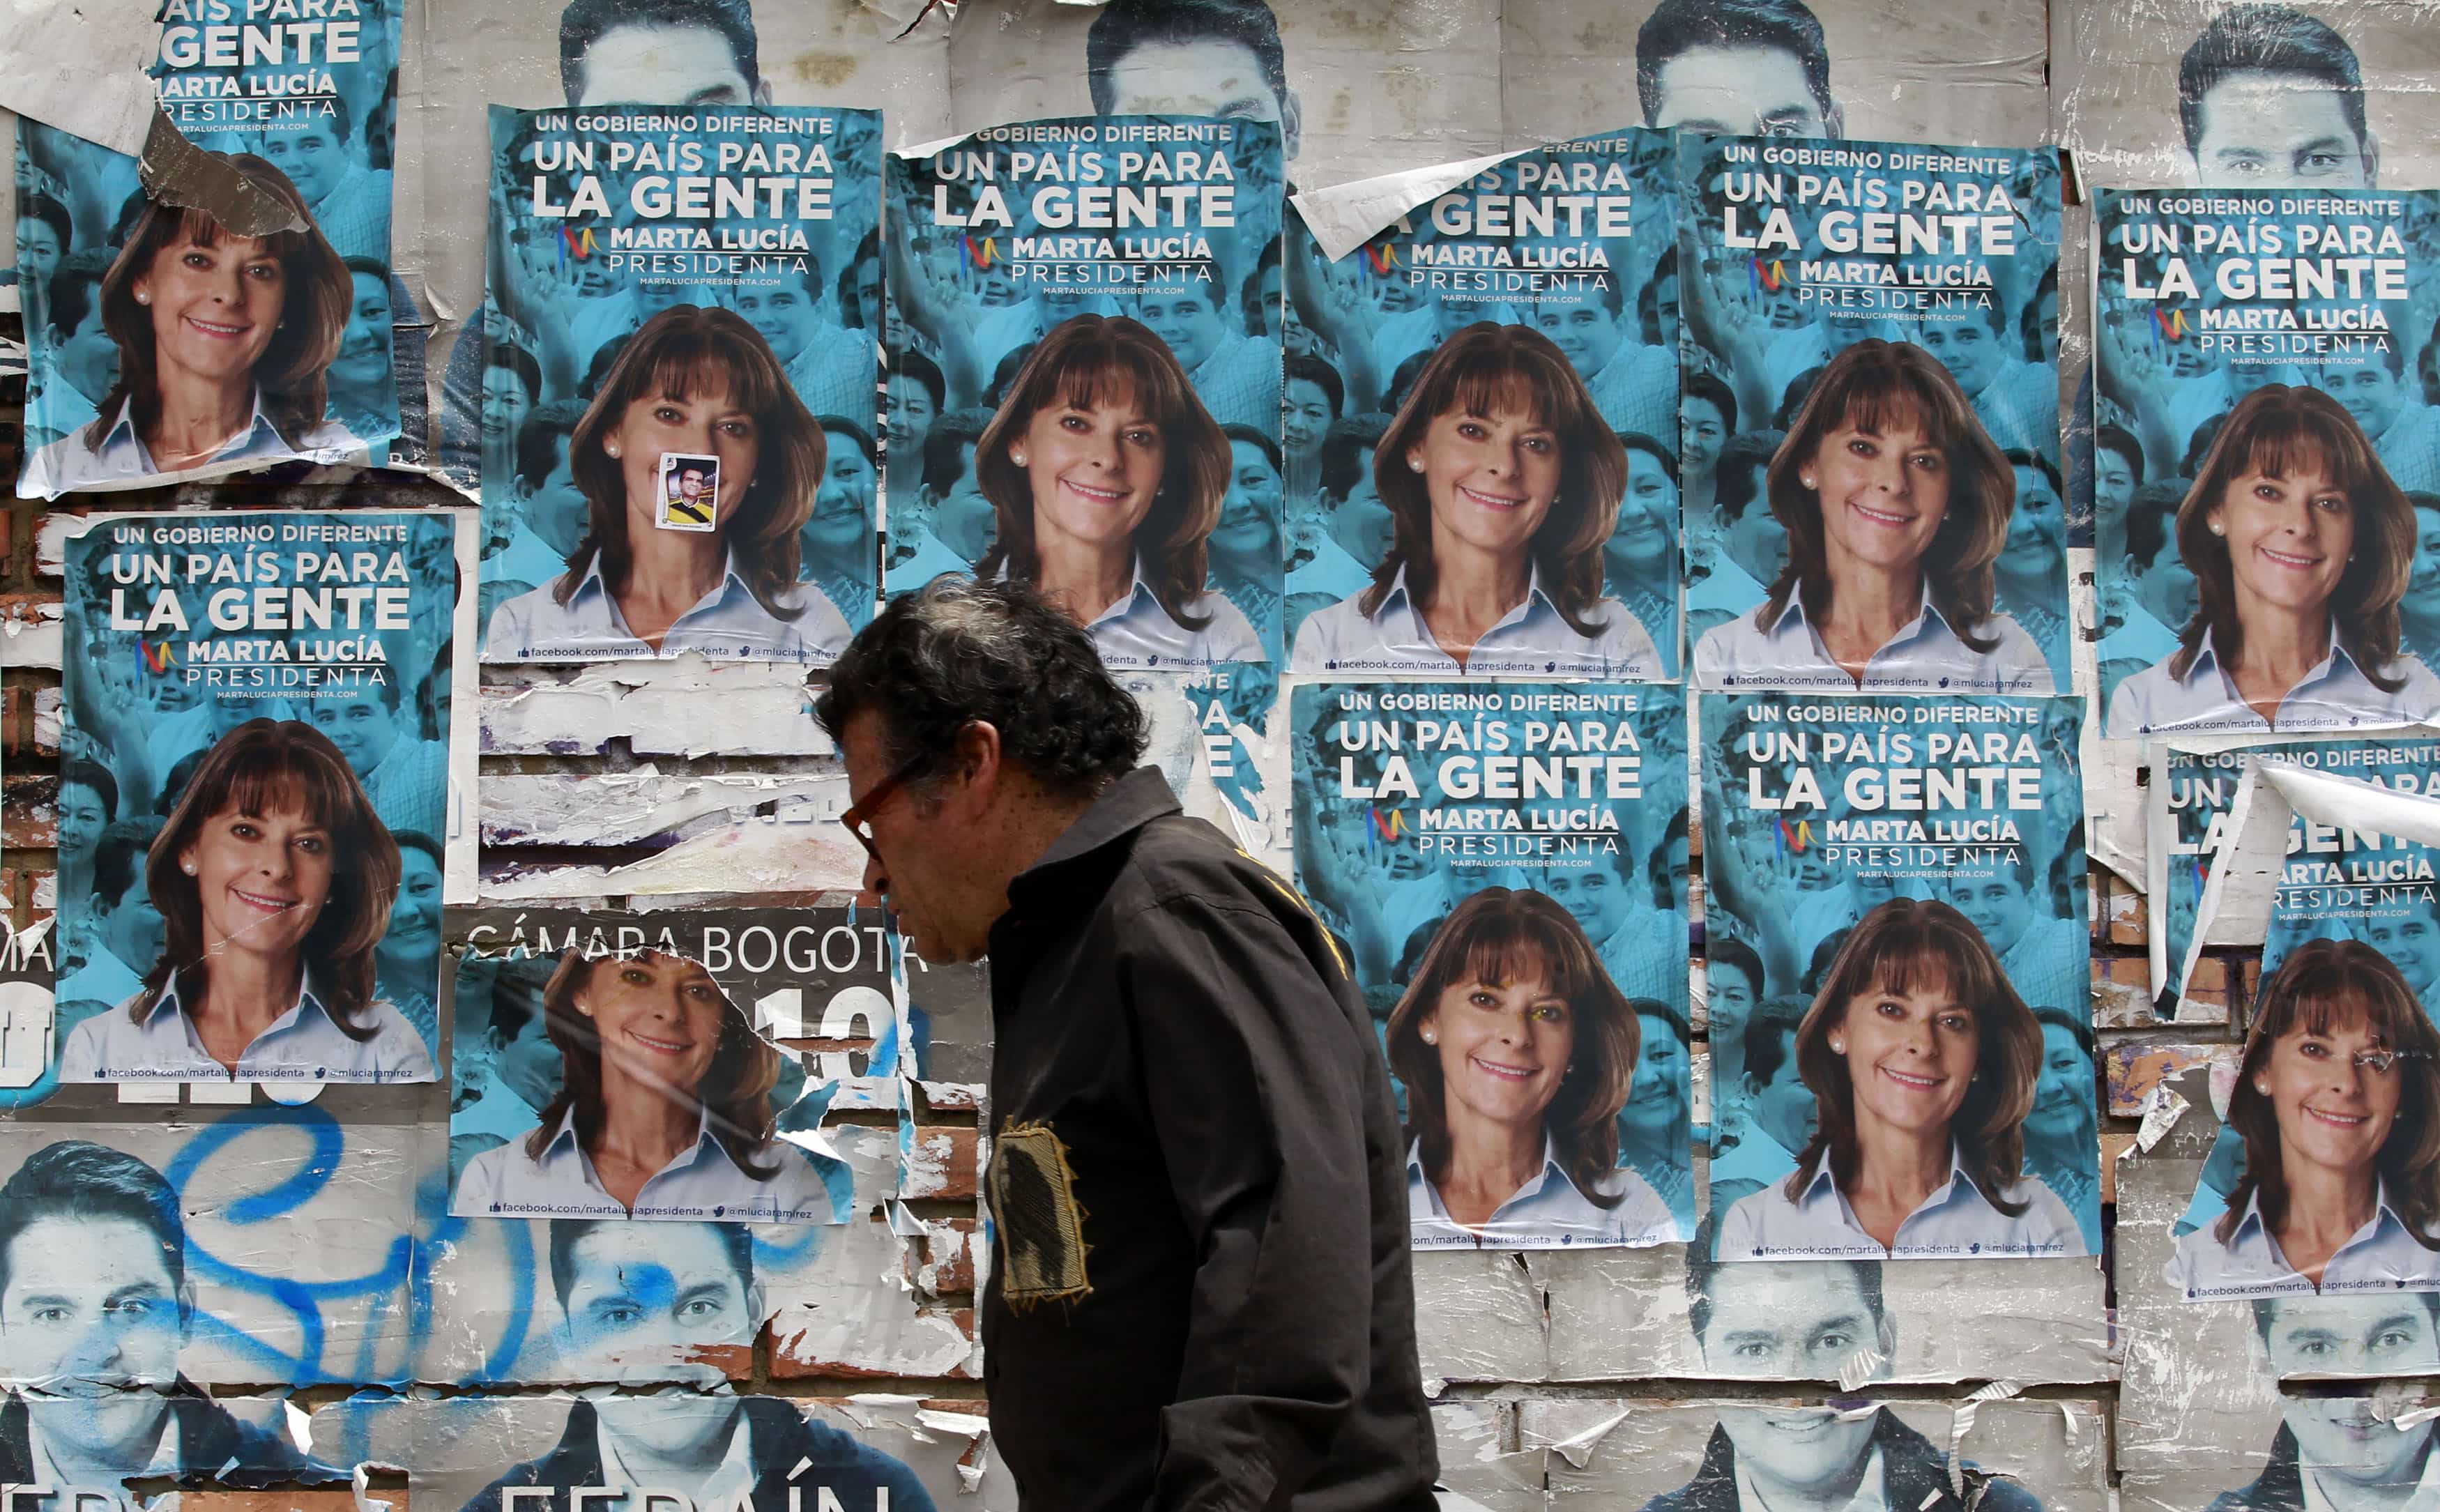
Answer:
(689, 492)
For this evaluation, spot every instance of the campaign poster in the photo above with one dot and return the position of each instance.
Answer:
(1906, 876)
(700, 1451)
(2376, 895)
(255, 771)
(1930, 1457)
(680, 455)
(2273, 455)
(260, 1246)
(1096, 300)
(1888, 514)
(2346, 1095)
(1491, 382)
(1506, 868)
(647, 1066)
(158, 345)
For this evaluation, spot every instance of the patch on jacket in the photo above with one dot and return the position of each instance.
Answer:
(1041, 1229)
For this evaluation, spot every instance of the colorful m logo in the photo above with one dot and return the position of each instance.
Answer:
(1382, 255)
(981, 252)
(159, 658)
(1771, 279)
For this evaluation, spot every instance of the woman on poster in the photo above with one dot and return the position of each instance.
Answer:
(225, 347)
(1504, 484)
(694, 381)
(1517, 1055)
(1896, 504)
(1923, 1063)
(1106, 477)
(275, 881)
(2337, 1104)
(663, 1111)
(2301, 547)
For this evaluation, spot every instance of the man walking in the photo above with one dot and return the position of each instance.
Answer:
(1201, 1296)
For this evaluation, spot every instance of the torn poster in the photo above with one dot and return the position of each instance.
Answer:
(2259, 382)
(163, 346)
(1834, 68)
(1844, 843)
(1032, 267)
(1921, 1456)
(678, 448)
(266, 1245)
(688, 1452)
(1507, 867)
(2354, 1094)
(1536, 301)
(1836, 287)
(255, 745)
(626, 1066)
(1355, 89)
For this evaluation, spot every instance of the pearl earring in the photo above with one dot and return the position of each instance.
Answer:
(2261, 1088)
(1016, 457)
(613, 449)
(1806, 479)
(1430, 1037)
(1414, 465)
(2217, 529)
(188, 867)
(143, 298)
(1838, 1047)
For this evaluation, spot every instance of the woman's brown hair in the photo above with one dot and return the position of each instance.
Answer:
(1501, 936)
(1482, 370)
(294, 368)
(1873, 386)
(262, 767)
(1090, 360)
(735, 1091)
(684, 351)
(1905, 943)
(2280, 432)
(2322, 985)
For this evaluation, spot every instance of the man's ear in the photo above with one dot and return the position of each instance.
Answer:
(1835, 121)
(977, 763)
(762, 91)
(1889, 1344)
(1292, 125)
(2372, 157)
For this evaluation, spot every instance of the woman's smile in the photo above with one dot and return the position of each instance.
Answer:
(1505, 1072)
(220, 329)
(262, 902)
(1097, 495)
(1885, 518)
(1493, 501)
(1911, 1082)
(658, 1045)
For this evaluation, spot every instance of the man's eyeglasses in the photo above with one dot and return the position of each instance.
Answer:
(858, 818)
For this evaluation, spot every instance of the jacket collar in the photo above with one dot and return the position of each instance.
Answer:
(1795, 608)
(2206, 660)
(1133, 802)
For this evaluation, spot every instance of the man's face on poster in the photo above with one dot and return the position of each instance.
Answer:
(1182, 316)
(1798, 1450)
(1783, 1106)
(1742, 90)
(643, 1298)
(91, 1310)
(1587, 334)
(2411, 941)
(1208, 76)
(1774, 1320)
(2368, 391)
(964, 520)
(315, 159)
(557, 511)
(1969, 348)
(2359, 1335)
(783, 314)
(690, 484)
(2423, 590)
(131, 928)
(1996, 905)
(666, 65)
(364, 729)
(2281, 131)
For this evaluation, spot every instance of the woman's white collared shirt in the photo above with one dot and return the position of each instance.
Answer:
(700, 1183)
(1547, 1213)
(1956, 1221)
(1137, 632)
(1531, 639)
(305, 1044)
(2336, 694)
(726, 625)
(2383, 1255)
(1926, 657)
(122, 462)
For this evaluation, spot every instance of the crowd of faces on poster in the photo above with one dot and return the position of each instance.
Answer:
(1743, 400)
